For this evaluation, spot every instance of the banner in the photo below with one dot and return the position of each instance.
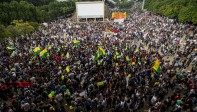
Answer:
(119, 15)
(119, 20)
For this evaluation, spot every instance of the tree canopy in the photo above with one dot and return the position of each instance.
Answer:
(183, 10)
(30, 12)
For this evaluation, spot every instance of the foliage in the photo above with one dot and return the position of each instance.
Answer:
(40, 2)
(2, 31)
(22, 27)
(186, 14)
(15, 12)
(27, 11)
(110, 4)
(60, 8)
(125, 4)
(184, 10)
(17, 28)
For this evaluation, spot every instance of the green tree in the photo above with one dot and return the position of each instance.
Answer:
(185, 14)
(185, 10)
(194, 18)
(17, 28)
(23, 27)
(3, 31)
(40, 2)
(11, 31)
(15, 12)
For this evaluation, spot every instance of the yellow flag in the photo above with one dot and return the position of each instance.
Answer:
(98, 62)
(43, 53)
(156, 65)
(136, 50)
(101, 51)
(71, 107)
(62, 77)
(129, 75)
(36, 49)
(127, 58)
(68, 69)
(100, 83)
(67, 55)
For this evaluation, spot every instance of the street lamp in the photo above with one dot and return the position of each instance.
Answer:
(143, 4)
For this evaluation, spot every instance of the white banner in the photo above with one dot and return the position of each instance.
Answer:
(119, 20)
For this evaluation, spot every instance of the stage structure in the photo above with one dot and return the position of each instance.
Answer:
(94, 10)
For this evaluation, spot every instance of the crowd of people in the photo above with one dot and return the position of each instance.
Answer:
(101, 66)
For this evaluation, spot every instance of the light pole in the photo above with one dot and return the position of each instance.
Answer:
(143, 4)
